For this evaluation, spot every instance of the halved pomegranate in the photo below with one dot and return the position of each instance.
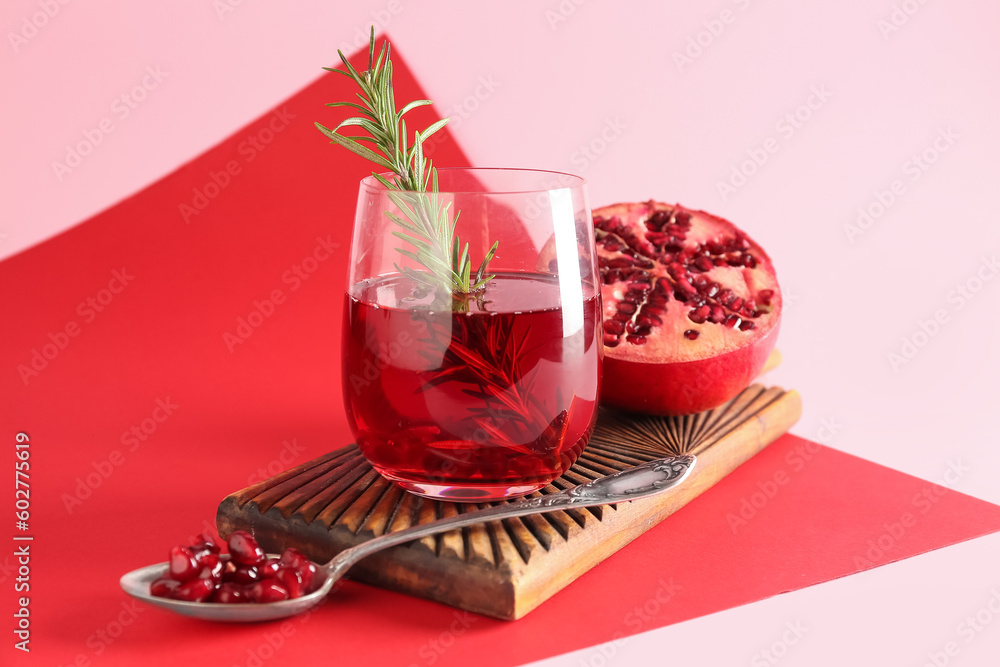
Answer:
(691, 308)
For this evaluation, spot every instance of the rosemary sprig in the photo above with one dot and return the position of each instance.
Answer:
(487, 355)
(427, 224)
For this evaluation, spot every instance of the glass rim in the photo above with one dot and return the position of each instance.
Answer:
(372, 184)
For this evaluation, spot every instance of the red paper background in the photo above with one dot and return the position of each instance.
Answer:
(274, 401)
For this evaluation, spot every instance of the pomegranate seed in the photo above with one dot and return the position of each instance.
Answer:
(736, 303)
(686, 285)
(290, 578)
(637, 286)
(305, 567)
(211, 568)
(683, 218)
(733, 321)
(626, 307)
(749, 306)
(163, 587)
(657, 300)
(647, 320)
(676, 270)
(614, 327)
(765, 296)
(230, 593)
(704, 264)
(713, 289)
(269, 590)
(243, 574)
(720, 261)
(634, 296)
(699, 315)
(183, 565)
(636, 340)
(725, 296)
(208, 542)
(292, 557)
(243, 548)
(749, 261)
(620, 262)
(205, 545)
(718, 315)
(746, 325)
(269, 568)
(690, 334)
(196, 590)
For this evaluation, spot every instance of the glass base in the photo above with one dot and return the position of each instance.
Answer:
(466, 493)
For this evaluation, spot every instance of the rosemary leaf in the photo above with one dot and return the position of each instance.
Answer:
(427, 223)
(355, 147)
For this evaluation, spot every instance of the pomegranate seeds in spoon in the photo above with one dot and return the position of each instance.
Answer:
(199, 573)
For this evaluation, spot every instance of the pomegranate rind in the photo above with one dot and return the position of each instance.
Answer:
(670, 372)
(686, 387)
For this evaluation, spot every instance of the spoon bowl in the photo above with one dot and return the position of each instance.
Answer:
(137, 582)
(642, 481)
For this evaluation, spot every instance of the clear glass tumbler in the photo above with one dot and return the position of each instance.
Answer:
(480, 396)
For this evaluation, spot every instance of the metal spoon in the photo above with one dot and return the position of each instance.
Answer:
(641, 481)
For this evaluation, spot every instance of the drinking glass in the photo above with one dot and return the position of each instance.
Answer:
(481, 396)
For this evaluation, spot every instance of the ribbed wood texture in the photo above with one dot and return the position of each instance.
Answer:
(502, 569)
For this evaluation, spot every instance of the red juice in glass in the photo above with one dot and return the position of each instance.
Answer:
(472, 347)
(493, 397)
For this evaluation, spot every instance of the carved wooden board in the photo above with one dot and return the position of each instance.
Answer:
(502, 569)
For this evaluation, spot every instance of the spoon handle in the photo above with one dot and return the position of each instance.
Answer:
(642, 481)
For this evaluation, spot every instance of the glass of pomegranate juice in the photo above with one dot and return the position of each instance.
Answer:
(472, 348)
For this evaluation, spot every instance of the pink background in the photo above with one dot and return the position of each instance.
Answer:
(597, 88)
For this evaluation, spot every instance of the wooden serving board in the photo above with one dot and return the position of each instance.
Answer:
(502, 569)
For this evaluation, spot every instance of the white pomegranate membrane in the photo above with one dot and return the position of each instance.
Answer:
(681, 286)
